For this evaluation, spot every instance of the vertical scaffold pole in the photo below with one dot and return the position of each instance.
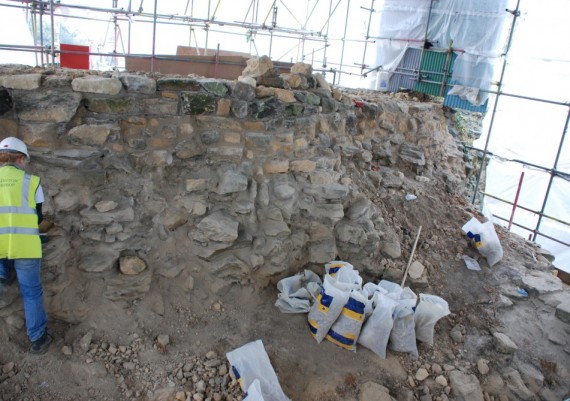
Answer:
(552, 174)
(516, 14)
(52, 34)
(343, 43)
(153, 37)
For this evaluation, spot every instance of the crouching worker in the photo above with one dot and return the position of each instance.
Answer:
(21, 198)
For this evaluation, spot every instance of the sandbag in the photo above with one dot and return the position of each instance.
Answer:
(298, 292)
(430, 309)
(332, 299)
(376, 330)
(334, 266)
(403, 335)
(485, 239)
(391, 289)
(370, 290)
(250, 362)
(254, 392)
(346, 328)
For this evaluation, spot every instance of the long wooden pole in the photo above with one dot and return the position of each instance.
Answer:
(411, 256)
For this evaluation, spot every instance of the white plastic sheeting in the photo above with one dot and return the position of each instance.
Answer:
(475, 27)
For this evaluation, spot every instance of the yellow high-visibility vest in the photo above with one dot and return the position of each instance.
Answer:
(19, 233)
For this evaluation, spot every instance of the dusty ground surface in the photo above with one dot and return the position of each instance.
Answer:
(114, 354)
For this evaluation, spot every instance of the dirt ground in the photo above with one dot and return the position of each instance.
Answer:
(116, 352)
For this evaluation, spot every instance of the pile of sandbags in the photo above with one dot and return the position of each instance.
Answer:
(344, 311)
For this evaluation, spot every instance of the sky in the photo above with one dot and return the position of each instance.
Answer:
(538, 66)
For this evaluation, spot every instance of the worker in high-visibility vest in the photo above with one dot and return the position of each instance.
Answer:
(21, 198)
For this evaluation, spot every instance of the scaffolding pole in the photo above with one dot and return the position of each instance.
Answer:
(52, 34)
(552, 174)
(343, 41)
(516, 14)
(42, 33)
(419, 76)
(153, 37)
(363, 65)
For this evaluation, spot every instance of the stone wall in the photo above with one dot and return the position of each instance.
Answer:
(150, 175)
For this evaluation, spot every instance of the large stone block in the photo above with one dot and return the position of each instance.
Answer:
(258, 140)
(214, 87)
(218, 226)
(276, 166)
(91, 216)
(21, 81)
(138, 83)
(89, 134)
(178, 84)
(197, 103)
(98, 259)
(303, 166)
(49, 106)
(189, 148)
(96, 84)
(231, 181)
(258, 66)
(160, 107)
(120, 105)
(225, 153)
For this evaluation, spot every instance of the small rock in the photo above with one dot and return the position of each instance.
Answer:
(7, 368)
(422, 374)
(482, 366)
(200, 386)
(131, 265)
(504, 344)
(85, 341)
(180, 396)
(465, 387)
(105, 206)
(198, 397)
(436, 368)
(456, 333)
(371, 391)
(190, 283)
(67, 350)
(441, 380)
(162, 340)
(212, 363)
(416, 270)
(211, 355)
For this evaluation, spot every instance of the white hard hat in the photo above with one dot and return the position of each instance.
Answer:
(12, 144)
